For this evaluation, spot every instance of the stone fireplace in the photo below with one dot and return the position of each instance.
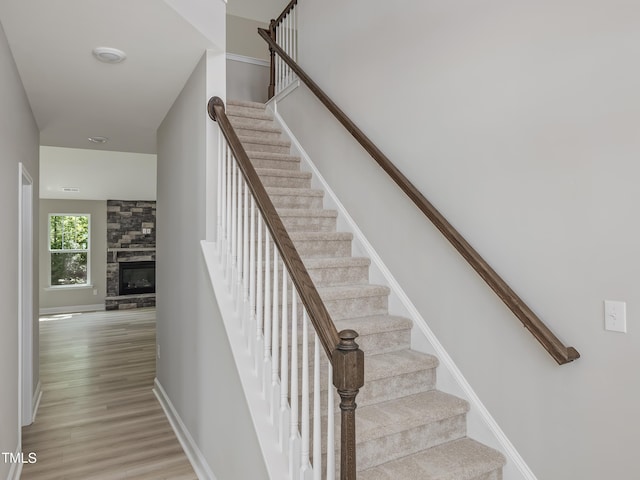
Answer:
(131, 254)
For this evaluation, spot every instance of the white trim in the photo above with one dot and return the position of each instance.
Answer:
(482, 425)
(275, 459)
(70, 250)
(72, 309)
(16, 468)
(37, 397)
(25, 299)
(191, 450)
(67, 287)
(273, 101)
(245, 59)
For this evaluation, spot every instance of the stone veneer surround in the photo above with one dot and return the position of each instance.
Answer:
(128, 241)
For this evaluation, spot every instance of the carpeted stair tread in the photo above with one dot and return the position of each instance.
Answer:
(247, 104)
(234, 112)
(255, 124)
(307, 212)
(300, 192)
(285, 157)
(275, 172)
(321, 236)
(394, 416)
(394, 363)
(245, 139)
(352, 291)
(288, 197)
(389, 375)
(463, 459)
(335, 262)
(373, 324)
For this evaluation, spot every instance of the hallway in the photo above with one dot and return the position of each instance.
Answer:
(98, 418)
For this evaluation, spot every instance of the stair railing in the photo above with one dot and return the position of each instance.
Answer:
(284, 32)
(561, 353)
(266, 276)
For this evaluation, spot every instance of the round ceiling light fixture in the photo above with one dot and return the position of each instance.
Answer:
(109, 55)
(98, 139)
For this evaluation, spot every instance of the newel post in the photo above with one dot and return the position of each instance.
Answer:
(348, 378)
(272, 55)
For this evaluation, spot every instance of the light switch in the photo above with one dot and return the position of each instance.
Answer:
(615, 316)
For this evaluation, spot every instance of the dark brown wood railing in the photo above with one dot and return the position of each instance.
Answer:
(346, 357)
(561, 353)
(273, 26)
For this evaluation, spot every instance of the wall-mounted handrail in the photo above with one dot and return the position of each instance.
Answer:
(561, 353)
(343, 352)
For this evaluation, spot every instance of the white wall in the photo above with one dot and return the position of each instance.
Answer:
(261, 10)
(19, 140)
(75, 296)
(243, 38)
(247, 80)
(519, 122)
(98, 174)
(196, 367)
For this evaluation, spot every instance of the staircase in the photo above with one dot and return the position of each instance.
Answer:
(406, 428)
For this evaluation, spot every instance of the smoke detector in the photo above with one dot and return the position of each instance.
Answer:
(109, 55)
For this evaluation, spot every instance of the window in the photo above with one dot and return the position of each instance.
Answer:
(69, 249)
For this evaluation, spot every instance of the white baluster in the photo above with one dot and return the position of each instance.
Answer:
(275, 360)
(219, 194)
(245, 247)
(229, 209)
(239, 242)
(224, 208)
(317, 418)
(294, 439)
(286, 48)
(295, 34)
(305, 465)
(234, 227)
(284, 363)
(266, 390)
(252, 270)
(331, 451)
(259, 292)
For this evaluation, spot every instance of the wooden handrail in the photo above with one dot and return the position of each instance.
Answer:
(298, 272)
(529, 319)
(286, 11)
(343, 352)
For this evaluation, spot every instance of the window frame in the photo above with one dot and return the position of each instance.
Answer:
(51, 251)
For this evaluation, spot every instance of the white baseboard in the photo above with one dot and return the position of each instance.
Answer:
(16, 468)
(245, 59)
(72, 309)
(195, 456)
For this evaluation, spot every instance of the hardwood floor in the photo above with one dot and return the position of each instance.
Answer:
(98, 418)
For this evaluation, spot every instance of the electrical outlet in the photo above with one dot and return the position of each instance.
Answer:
(158, 345)
(95, 291)
(615, 316)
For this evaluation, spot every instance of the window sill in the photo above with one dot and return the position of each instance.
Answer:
(68, 287)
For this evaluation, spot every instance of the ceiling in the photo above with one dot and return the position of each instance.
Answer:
(74, 96)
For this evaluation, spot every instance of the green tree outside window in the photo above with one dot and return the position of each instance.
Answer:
(69, 249)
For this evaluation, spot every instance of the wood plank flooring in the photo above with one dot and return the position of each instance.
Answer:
(98, 418)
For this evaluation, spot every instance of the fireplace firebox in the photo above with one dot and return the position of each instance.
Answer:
(137, 277)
